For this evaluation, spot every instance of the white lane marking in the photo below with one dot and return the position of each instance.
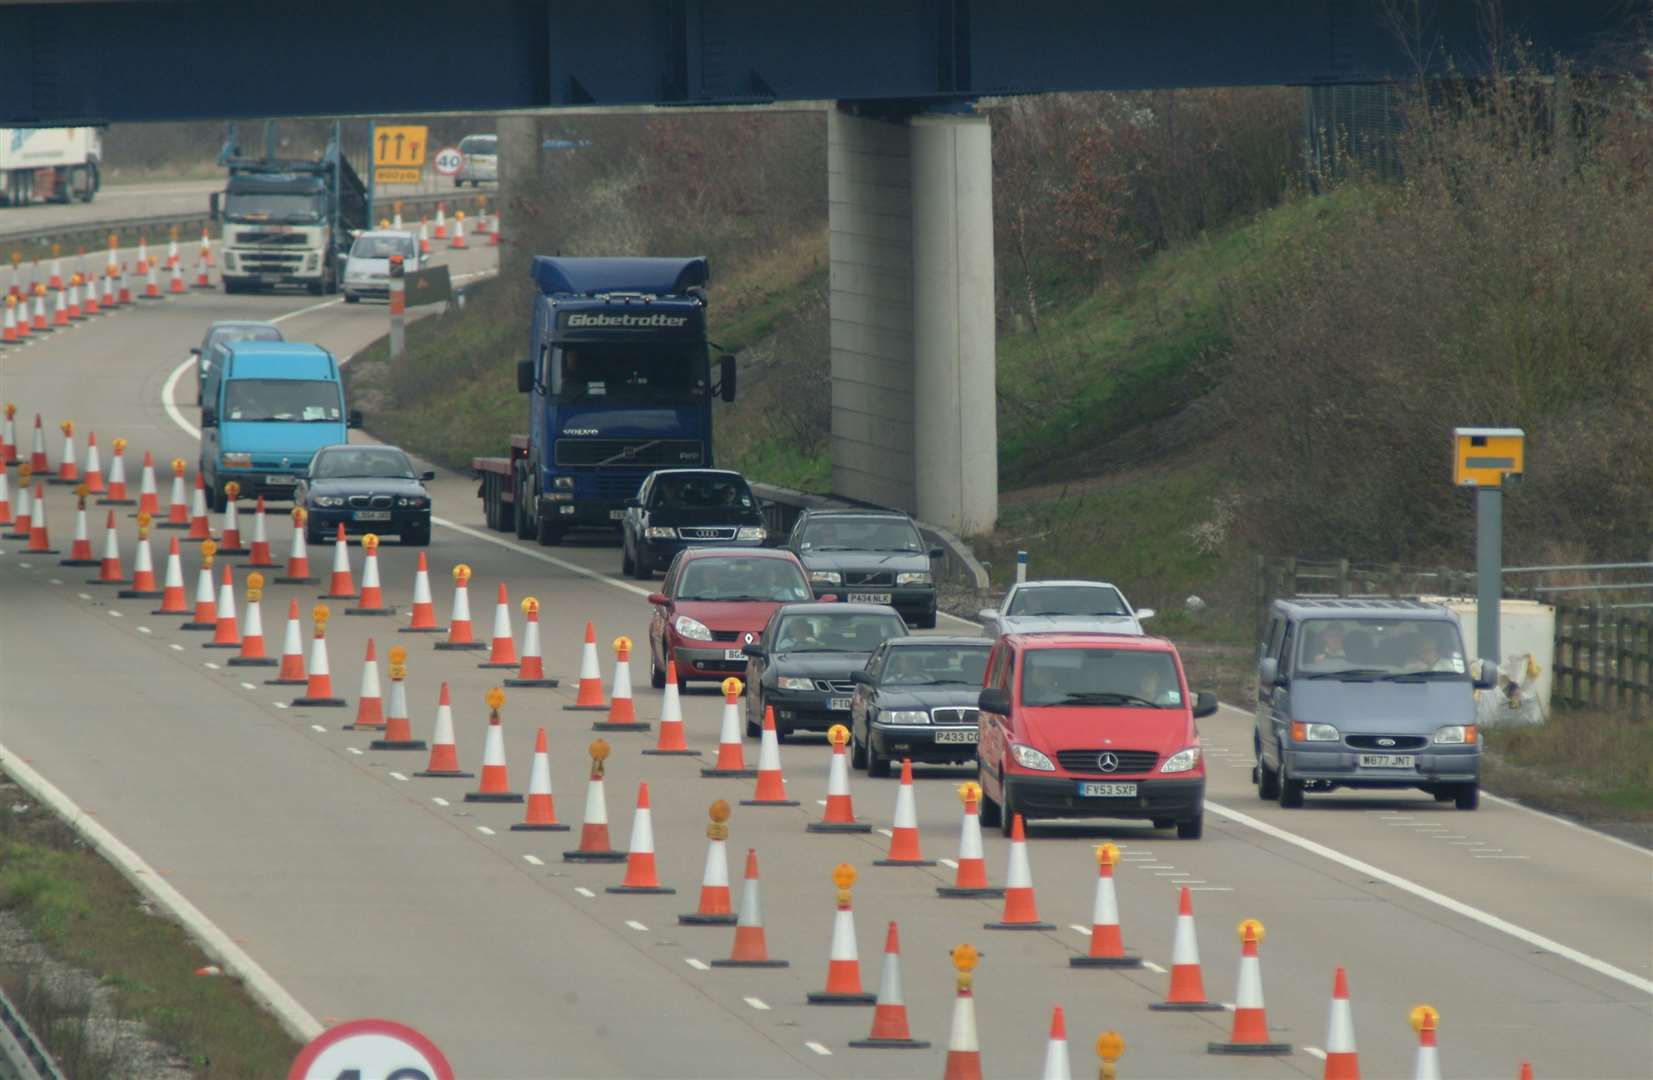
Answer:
(819, 1049)
(1171, 873)
(1202, 888)
(1485, 850)
(1516, 805)
(637, 926)
(1155, 866)
(1076, 928)
(287, 705)
(561, 564)
(1503, 856)
(585, 892)
(143, 630)
(84, 595)
(353, 750)
(1151, 966)
(248, 686)
(55, 581)
(439, 800)
(318, 727)
(484, 830)
(113, 614)
(531, 860)
(1190, 881)
(948, 863)
(818, 802)
(1449, 836)
(1457, 907)
(885, 832)
(1315, 1051)
(1466, 843)
(399, 776)
(174, 645)
(757, 1003)
(698, 965)
(210, 664)
(26, 566)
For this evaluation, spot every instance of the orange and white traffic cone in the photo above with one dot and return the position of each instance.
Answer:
(398, 730)
(904, 845)
(68, 468)
(8, 335)
(39, 324)
(143, 568)
(202, 280)
(963, 1045)
(495, 786)
(1057, 1066)
(292, 671)
(5, 498)
(731, 750)
(751, 950)
(259, 553)
(1427, 1065)
(176, 285)
(125, 290)
(444, 752)
(482, 215)
(457, 243)
(341, 586)
(177, 505)
(622, 710)
(839, 815)
(441, 231)
(80, 546)
(89, 306)
(1021, 910)
(1187, 991)
(1107, 946)
(151, 286)
(503, 653)
(1250, 1031)
(424, 235)
(206, 246)
(56, 280)
(94, 466)
(60, 310)
(771, 786)
(37, 451)
(298, 556)
(671, 742)
(889, 1017)
(8, 425)
(493, 233)
(23, 516)
(540, 815)
(640, 871)
(372, 600)
(1526, 1070)
(590, 695)
(460, 635)
(172, 259)
(252, 627)
(229, 540)
(424, 612)
(205, 616)
(714, 909)
(226, 635)
(370, 703)
(594, 842)
(319, 686)
(970, 880)
(40, 541)
(843, 985)
(531, 671)
(1342, 1060)
(199, 527)
(116, 493)
(149, 500)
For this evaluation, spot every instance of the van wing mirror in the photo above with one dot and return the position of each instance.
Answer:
(428, 474)
(1268, 671)
(937, 552)
(355, 419)
(525, 376)
(212, 206)
(209, 417)
(754, 649)
(1487, 679)
(993, 700)
(860, 678)
(1205, 704)
(726, 379)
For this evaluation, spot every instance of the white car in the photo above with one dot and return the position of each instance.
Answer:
(367, 269)
(481, 160)
(1042, 607)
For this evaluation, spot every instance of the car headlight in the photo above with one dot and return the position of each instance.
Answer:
(411, 500)
(826, 577)
(1182, 760)
(327, 500)
(238, 461)
(1301, 732)
(752, 532)
(660, 532)
(1455, 735)
(561, 496)
(917, 577)
(563, 483)
(794, 682)
(904, 716)
(1029, 758)
(693, 629)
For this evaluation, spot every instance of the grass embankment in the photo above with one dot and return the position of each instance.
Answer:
(86, 915)
(1596, 766)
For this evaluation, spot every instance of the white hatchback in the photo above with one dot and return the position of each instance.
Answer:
(367, 268)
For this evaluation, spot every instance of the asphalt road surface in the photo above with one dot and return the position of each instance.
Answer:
(113, 203)
(366, 891)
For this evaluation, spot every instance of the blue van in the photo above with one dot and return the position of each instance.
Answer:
(276, 403)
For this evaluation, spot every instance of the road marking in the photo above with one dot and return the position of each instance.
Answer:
(1485, 850)
(1190, 881)
(1155, 866)
(531, 860)
(1449, 836)
(143, 630)
(318, 727)
(637, 926)
(113, 614)
(210, 664)
(403, 778)
(1315, 1051)
(484, 830)
(26, 566)
(757, 1003)
(1076, 928)
(1503, 856)
(1151, 966)
(1171, 873)
(439, 800)
(818, 802)
(248, 686)
(698, 965)
(84, 595)
(55, 581)
(286, 705)
(585, 892)
(1517, 805)
(885, 832)
(175, 645)
(1201, 888)
(819, 1049)
(948, 863)
(353, 750)
(1457, 907)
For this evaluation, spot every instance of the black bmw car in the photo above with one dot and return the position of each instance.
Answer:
(679, 508)
(916, 698)
(868, 557)
(370, 489)
(804, 663)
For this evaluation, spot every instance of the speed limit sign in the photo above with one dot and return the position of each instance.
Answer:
(448, 160)
(370, 1050)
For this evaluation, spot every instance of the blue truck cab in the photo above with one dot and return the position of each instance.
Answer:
(275, 404)
(620, 384)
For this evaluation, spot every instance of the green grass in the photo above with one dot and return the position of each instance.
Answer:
(772, 461)
(1587, 763)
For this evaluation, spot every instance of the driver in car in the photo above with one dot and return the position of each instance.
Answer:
(1151, 686)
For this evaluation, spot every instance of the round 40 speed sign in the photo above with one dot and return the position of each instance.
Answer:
(448, 160)
(370, 1050)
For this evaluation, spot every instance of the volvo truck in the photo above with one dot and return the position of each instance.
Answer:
(288, 221)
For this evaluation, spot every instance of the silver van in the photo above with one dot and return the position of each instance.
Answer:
(1367, 693)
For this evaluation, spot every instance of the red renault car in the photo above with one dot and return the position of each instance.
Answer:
(713, 603)
(1091, 725)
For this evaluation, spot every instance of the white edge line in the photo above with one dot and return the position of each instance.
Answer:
(214, 942)
(1457, 907)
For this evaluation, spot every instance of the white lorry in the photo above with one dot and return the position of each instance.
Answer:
(49, 165)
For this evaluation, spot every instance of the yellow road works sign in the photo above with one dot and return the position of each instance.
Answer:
(389, 174)
(401, 145)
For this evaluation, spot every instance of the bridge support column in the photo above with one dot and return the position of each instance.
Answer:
(911, 218)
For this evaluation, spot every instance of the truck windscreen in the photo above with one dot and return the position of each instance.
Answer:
(631, 374)
(290, 207)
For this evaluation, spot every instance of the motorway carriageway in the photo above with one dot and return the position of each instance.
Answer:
(363, 890)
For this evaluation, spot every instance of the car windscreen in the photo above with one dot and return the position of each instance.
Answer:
(363, 461)
(741, 579)
(837, 631)
(631, 373)
(479, 144)
(1380, 648)
(701, 491)
(297, 400)
(223, 335)
(1092, 600)
(383, 247)
(1111, 677)
(925, 665)
(860, 534)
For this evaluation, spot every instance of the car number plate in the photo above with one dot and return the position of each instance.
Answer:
(372, 515)
(869, 597)
(969, 735)
(838, 704)
(1388, 761)
(616, 515)
(281, 481)
(733, 654)
(1092, 789)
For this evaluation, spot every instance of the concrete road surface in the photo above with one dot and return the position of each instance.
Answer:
(367, 891)
(113, 203)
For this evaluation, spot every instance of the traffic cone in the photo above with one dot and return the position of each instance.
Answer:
(199, 527)
(89, 305)
(970, 881)
(110, 300)
(1021, 911)
(298, 557)
(622, 711)
(80, 546)
(531, 671)
(143, 254)
(771, 787)
(843, 985)
(441, 231)
(5, 497)
(226, 635)
(39, 325)
(8, 333)
(671, 741)
(1342, 1061)
(459, 627)
(206, 246)
(1250, 1031)
(292, 671)
(424, 612)
(1057, 1066)
(341, 586)
(503, 654)
(1187, 991)
(1107, 947)
(839, 815)
(904, 846)
(714, 909)
(260, 552)
(23, 517)
(56, 280)
(594, 844)
(40, 542)
(252, 628)
(444, 753)
(482, 215)
(202, 280)
(37, 452)
(149, 501)
(125, 291)
(1526, 1070)
(372, 600)
(205, 616)
(889, 1017)
(94, 467)
(60, 311)
(68, 469)
(963, 1048)
(8, 425)
(493, 233)
(751, 950)
(424, 236)
(640, 871)
(73, 306)
(177, 506)
(319, 686)
(370, 704)
(229, 540)
(116, 494)
(457, 243)
(143, 569)
(151, 287)
(590, 696)
(731, 750)
(398, 730)
(1427, 1065)
(541, 811)
(176, 286)
(172, 252)
(496, 785)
